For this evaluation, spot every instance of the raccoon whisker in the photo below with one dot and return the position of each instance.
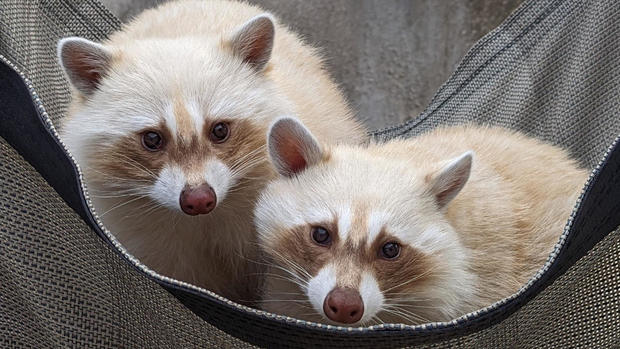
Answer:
(278, 267)
(112, 183)
(400, 311)
(296, 267)
(244, 179)
(408, 281)
(408, 294)
(250, 179)
(399, 299)
(270, 265)
(285, 300)
(377, 319)
(123, 183)
(92, 169)
(135, 164)
(248, 155)
(303, 287)
(410, 305)
(138, 167)
(118, 183)
(119, 194)
(293, 264)
(151, 209)
(408, 319)
(122, 204)
(244, 171)
(290, 263)
(307, 306)
(239, 201)
(143, 210)
(249, 160)
(285, 293)
(295, 279)
(112, 176)
(247, 164)
(238, 188)
(296, 302)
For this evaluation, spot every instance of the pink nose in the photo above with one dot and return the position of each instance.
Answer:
(344, 305)
(197, 200)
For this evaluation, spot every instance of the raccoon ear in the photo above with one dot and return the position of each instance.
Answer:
(85, 62)
(292, 147)
(253, 41)
(450, 179)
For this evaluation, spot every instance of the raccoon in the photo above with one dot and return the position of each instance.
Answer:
(168, 121)
(409, 231)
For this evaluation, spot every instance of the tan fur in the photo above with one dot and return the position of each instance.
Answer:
(483, 246)
(175, 55)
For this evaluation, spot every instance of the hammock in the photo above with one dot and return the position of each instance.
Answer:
(551, 70)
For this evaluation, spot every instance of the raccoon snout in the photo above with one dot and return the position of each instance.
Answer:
(344, 305)
(197, 200)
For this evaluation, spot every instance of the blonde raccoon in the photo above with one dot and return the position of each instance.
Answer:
(410, 231)
(168, 121)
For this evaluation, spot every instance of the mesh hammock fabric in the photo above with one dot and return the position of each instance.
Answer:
(551, 70)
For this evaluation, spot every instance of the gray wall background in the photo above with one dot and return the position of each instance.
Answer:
(389, 56)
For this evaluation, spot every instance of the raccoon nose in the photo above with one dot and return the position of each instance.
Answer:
(344, 305)
(197, 200)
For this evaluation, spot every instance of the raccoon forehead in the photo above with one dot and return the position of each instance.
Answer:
(283, 208)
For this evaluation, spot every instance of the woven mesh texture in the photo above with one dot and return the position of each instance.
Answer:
(61, 286)
(551, 70)
(29, 31)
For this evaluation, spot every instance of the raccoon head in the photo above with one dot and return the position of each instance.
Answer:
(358, 237)
(179, 122)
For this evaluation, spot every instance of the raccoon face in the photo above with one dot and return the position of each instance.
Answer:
(351, 276)
(348, 246)
(178, 122)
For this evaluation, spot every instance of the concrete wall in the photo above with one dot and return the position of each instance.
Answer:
(389, 56)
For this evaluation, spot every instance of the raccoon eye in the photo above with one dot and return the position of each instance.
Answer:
(390, 250)
(219, 132)
(152, 140)
(321, 236)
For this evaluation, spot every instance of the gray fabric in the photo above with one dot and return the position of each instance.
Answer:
(551, 70)
(61, 286)
(29, 31)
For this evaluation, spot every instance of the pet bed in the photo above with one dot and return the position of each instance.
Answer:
(552, 70)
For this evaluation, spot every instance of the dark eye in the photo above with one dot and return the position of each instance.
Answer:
(390, 250)
(219, 132)
(321, 236)
(152, 140)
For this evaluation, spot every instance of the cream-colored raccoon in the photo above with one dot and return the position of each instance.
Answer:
(410, 231)
(168, 122)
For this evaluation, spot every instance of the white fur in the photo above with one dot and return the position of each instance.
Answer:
(170, 120)
(317, 214)
(194, 110)
(219, 177)
(168, 187)
(376, 221)
(319, 286)
(344, 221)
(371, 295)
(430, 240)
